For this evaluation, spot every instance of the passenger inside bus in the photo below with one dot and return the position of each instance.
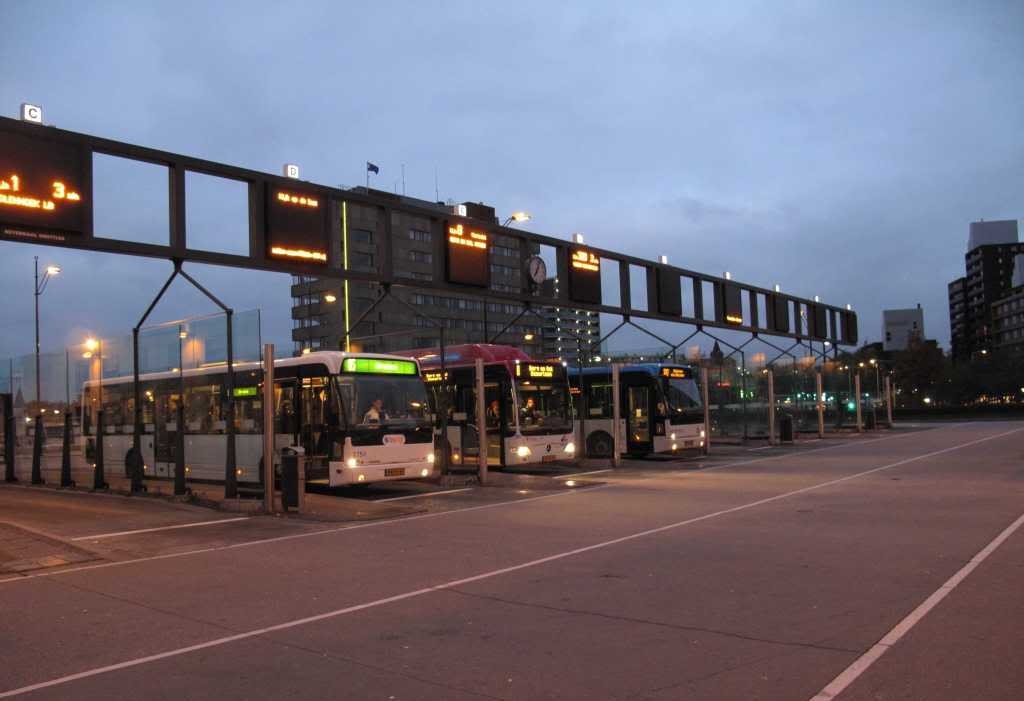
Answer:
(493, 413)
(375, 414)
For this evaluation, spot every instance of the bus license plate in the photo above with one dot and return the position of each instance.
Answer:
(549, 458)
(394, 439)
(394, 471)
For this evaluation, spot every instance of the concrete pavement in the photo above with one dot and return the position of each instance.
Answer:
(763, 575)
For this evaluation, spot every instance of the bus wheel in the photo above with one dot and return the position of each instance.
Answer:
(599, 445)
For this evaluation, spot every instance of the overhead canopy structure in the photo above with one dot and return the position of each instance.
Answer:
(47, 197)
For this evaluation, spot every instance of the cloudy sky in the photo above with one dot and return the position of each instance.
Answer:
(840, 149)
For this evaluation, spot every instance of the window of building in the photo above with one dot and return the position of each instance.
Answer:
(360, 236)
(418, 235)
(421, 257)
(358, 259)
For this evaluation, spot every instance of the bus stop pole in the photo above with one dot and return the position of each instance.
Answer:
(706, 396)
(888, 400)
(771, 407)
(821, 404)
(616, 416)
(481, 423)
(268, 428)
(856, 391)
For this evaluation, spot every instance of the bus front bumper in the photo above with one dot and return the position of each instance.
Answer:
(342, 473)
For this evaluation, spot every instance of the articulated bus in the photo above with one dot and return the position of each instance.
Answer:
(529, 413)
(660, 407)
(359, 417)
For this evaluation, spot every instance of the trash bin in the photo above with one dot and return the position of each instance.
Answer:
(870, 422)
(292, 477)
(785, 428)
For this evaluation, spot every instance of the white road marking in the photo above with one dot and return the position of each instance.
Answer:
(293, 536)
(764, 447)
(425, 494)
(400, 519)
(100, 536)
(864, 662)
(475, 578)
(574, 475)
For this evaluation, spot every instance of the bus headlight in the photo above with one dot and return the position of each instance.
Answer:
(675, 446)
(702, 433)
(673, 436)
(523, 451)
(424, 472)
(430, 458)
(570, 447)
(351, 462)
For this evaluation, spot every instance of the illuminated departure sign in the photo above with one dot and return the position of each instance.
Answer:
(731, 309)
(584, 276)
(677, 373)
(296, 225)
(44, 185)
(535, 371)
(245, 391)
(468, 261)
(379, 366)
(434, 376)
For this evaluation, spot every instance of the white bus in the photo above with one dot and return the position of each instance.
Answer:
(359, 417)
(660, 408)
(528, 409)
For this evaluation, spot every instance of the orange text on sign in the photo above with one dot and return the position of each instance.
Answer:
(472, 239)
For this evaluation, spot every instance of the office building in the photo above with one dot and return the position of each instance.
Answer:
(568, 334)
(320, 306)
(989, 264)
(899, 326)
(1008, 313)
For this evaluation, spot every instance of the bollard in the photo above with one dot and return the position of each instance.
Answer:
(888, 400)
(10, 440)
(293, 479)
(99, 475)
(617, 447)
(37, 450)
(856, 391)
(268, 428)
(771, 407)
(65, 458)
(179, 452)
(705, 397)
(481, 423)
(821, 404)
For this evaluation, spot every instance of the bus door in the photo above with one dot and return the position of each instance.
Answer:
(496, 418)
(638, 419)
(165, 427)
(316, 415)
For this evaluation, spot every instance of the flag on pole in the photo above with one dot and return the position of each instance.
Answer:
(371, 168)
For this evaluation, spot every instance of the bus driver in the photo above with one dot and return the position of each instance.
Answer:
(375, 414)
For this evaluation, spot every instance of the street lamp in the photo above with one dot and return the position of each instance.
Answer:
(329, 298)
(40, 287)
(517, 217)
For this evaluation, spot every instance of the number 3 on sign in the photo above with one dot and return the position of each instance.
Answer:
(60, 193)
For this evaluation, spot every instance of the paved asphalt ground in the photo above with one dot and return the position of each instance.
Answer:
(764, 575)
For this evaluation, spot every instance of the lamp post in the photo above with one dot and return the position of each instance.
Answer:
(40, 287)
(95, 346)
(517, 217)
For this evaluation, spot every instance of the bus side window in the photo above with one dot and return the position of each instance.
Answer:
(202, 410)
(113, 408)
(599, 400)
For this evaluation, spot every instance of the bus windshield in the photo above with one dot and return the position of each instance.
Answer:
(543, 408)
(683, 395)
(385, 401)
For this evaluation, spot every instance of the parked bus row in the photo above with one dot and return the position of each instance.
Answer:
(363, 417)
